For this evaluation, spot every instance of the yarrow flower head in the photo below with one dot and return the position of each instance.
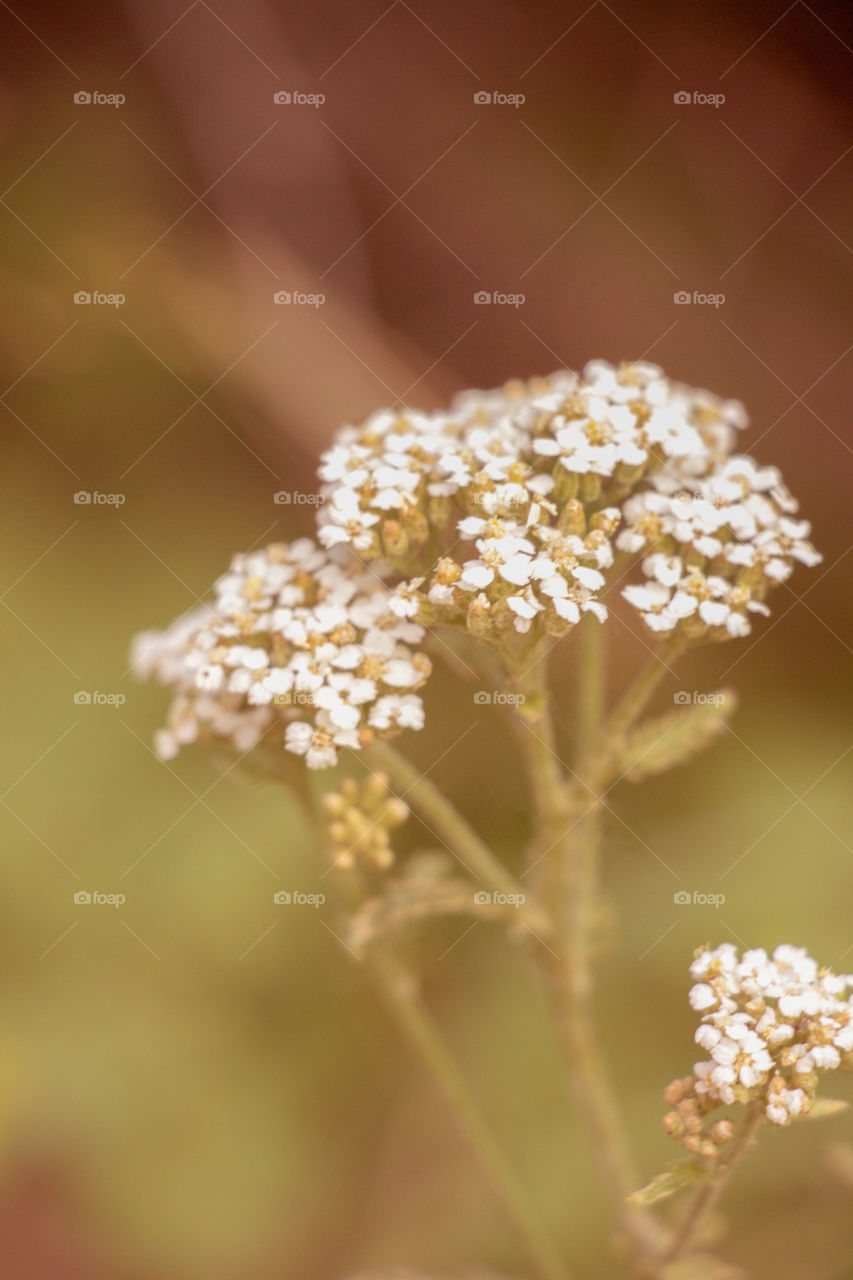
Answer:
(509, 506)
(771, 1026)
(714, 546)
(297, 636)
(500, 516)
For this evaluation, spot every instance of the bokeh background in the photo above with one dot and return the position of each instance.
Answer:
(196, 1083)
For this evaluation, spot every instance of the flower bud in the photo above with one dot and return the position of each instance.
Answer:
(722, 1132)
(395, 540)
(479, 619)
(572, 518)
(673, 1125)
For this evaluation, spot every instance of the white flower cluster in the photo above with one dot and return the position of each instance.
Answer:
(409, 468)
(501, 515)
(771, 1026)
(714, 546)
(294, 634)
(523, 573)
(494, 453)
(521, 477)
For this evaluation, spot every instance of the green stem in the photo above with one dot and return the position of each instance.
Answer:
(568, 845)
(438, 813)
(709, 1193)
(396, 986)
(590, 684)
(568, 893)
(602, 753)
(398, 990)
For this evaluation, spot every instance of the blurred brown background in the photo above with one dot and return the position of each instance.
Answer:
(191, 1084)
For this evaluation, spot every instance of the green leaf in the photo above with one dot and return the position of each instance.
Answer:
(823, 1107)
(683, 1174)
(673, 738)
(406, 901)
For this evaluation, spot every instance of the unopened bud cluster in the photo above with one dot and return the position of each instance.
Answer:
(360, 818)
(772, 1027)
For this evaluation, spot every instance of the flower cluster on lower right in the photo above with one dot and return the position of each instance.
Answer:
(772, 1026)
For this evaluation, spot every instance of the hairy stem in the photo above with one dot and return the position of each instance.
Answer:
(598, 763)
(398, 990)
(568, 853)
(709, 1193)
(591, 684)
(567, 845)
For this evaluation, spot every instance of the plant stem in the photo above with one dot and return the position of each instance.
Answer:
(602, 753)
(568, 846)
(568, 876)
(708, 1194)
(398, 990)
(397, 987)
(452, 828)
(590, 684)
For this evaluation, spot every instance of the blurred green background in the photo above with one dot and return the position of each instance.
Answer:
(197, 1083)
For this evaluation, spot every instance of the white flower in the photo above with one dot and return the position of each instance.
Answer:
(292, 630)
(702, 996)
(771, 1026)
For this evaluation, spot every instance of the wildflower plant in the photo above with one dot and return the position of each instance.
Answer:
(483, 534)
